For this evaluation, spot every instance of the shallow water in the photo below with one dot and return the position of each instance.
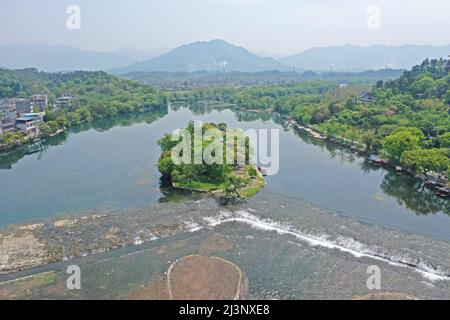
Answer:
(287, 249)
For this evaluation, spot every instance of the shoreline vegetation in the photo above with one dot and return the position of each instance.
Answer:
(252, 185)
(96, 95)
(238, 178)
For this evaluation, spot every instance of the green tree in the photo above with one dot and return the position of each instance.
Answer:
(11, 138)
(351, 134)
(368, 139)
(252, 172)
(402, 140)
(445, 140)
(165, 165)
(426, 160)
(233, 184)
(422, 86)
(447, 96)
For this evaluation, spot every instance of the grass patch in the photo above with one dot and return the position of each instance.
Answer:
(254, 183)
(200, 186)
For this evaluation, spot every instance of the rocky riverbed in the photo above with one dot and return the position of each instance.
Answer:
(287, 249)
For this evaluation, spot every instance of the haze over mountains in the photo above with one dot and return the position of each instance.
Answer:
(356, 58)
(65, 58)
(215, 55)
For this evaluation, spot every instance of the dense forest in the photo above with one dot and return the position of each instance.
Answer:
(95, 95)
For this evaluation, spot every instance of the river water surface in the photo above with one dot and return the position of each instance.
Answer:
(112, 165)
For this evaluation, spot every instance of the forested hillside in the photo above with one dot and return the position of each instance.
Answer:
(95, 95)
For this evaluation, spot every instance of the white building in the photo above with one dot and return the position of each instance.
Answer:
(23, 106)
(39, 102)
(64, 102)
(29, 123)
(8, 114)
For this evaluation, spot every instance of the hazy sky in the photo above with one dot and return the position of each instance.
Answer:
(274, 26)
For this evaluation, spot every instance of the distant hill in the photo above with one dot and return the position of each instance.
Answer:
(139, 55)
(215, 55)
(356, 58)
(52, 58)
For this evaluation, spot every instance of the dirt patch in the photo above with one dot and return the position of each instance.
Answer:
(204, 278)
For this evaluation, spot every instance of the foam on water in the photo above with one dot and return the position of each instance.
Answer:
(343, 244)
(192, 226)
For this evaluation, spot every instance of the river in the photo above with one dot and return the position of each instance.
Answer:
(112, 165)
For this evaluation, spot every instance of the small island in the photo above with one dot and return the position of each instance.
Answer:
(216, 160)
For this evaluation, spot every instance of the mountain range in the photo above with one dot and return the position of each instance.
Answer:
(216, 55)
(65, 58)
(356, 58)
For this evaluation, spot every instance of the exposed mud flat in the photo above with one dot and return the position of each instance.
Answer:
(200, 277)
(287, 249)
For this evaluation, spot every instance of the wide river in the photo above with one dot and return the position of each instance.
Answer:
(112, 165)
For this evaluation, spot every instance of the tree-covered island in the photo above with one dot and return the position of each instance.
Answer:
(210, 158)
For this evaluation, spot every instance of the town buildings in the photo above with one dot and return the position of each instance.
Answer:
(64, 102)
(29, 123)
(8, 115)
(22, 106)
(39, 102)
(16, 115)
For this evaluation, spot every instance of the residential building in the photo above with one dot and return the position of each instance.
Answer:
(22, 106)
(29, 123)
(366, 98)
(8, 114)
(64, 102)
(39, 102)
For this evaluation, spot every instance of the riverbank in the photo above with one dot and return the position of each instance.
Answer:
(9, 148)
(433, 183)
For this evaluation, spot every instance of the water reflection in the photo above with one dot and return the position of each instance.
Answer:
(413, 194)
(407, 191)
(7, 160)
